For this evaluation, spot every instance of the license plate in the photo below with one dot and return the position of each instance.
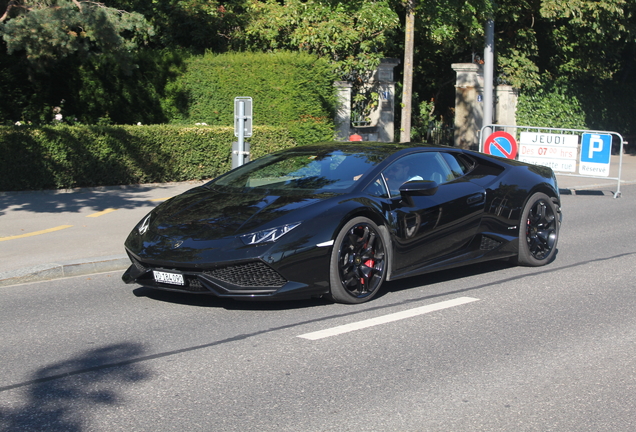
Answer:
(168, 278)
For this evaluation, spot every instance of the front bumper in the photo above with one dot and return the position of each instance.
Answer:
(251, 279)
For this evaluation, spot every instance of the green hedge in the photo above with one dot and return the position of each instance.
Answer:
(59, 157)
(550, 106)
(606, 106)
(293, 90)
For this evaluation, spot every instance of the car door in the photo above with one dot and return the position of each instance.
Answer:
(437, 221)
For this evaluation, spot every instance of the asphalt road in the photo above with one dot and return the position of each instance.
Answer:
(485, 348)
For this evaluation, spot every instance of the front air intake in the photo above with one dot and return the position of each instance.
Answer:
(252, 274)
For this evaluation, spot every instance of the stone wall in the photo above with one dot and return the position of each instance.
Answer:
(382, 120)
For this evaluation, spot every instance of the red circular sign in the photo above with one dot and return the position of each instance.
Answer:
(501, 144)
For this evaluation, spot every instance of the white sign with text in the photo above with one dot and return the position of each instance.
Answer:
(557, 151)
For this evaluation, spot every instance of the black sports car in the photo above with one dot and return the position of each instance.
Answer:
(338, 219)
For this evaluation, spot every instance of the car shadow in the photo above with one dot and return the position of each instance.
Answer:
(209, 301)
(444, 276)
(56, 398)
(588, 192)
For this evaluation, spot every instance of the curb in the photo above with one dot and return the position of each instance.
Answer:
(608, 185)
(65, 269)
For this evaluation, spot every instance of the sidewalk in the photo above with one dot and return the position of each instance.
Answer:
(52, 234)
(58, 233)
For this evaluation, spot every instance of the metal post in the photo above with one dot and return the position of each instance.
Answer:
(241, 132)
(489, 68)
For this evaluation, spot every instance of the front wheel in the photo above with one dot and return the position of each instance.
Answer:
(358, 262)
(539, 231)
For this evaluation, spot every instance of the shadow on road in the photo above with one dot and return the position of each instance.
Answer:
(594, 192)
(58, 396)
(96, 199)
(209, 301)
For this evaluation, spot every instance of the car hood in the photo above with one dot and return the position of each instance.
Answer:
(207, 214)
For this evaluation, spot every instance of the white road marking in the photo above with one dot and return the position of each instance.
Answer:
(334, 331)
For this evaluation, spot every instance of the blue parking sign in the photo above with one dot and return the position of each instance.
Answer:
(596, 152)
(596, 148)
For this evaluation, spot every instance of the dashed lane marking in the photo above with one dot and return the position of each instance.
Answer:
(334, 331)
(58, 228)
(101, 213)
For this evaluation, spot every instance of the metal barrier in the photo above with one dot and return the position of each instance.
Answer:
(566, 151)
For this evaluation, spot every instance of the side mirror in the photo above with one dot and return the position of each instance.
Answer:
(419, 188)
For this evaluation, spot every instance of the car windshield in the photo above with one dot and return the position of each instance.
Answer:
(307, 170)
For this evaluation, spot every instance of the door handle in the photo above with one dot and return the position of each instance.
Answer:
(476, 198)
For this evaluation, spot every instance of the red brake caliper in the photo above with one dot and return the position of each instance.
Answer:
(369, 263)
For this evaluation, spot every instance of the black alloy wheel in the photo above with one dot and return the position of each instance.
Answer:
(539, 231)
(358, 262)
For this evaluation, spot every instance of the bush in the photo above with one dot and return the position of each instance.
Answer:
(607, 106)
(550, 106)
(293, 90)
(62, 156)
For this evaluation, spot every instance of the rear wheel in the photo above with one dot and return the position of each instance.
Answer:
(539, 231)
(358, 262)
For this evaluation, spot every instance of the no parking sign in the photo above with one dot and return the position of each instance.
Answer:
(501, 144)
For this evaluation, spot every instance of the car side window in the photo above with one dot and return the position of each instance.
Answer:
(458, 164)
(377, 189)
(426, 166)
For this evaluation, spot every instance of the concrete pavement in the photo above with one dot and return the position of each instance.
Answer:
(59, 233)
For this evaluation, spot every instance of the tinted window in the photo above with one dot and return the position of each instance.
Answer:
(427, 166)
(458, 164)
(306, 171)
(377, 189)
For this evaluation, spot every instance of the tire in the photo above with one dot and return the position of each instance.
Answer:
(538, 231)
(358, 262)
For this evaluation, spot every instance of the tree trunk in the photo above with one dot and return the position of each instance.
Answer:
(407, 92)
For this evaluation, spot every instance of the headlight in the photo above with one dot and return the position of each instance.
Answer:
(144, 225)
(268, 235)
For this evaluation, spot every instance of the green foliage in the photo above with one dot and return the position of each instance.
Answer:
(16, 93)
(88, 92)
(608, 106)
(100, 91)
(56, 157)
(556, 39)
(353, 35)
(293, 90)
(198, 25)
(551, 106)
(48, 31)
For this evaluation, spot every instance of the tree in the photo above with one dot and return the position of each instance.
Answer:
(53, 29)
(197, 25)
(563, 39)
(407, 93)
(354, 35)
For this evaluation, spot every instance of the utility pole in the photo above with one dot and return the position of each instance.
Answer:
(489, 67)
(407, 91)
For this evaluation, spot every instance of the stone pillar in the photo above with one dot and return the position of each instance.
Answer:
(506, 106)
(343, 111)
(381, 126)
(386, 121)
(469, 111)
